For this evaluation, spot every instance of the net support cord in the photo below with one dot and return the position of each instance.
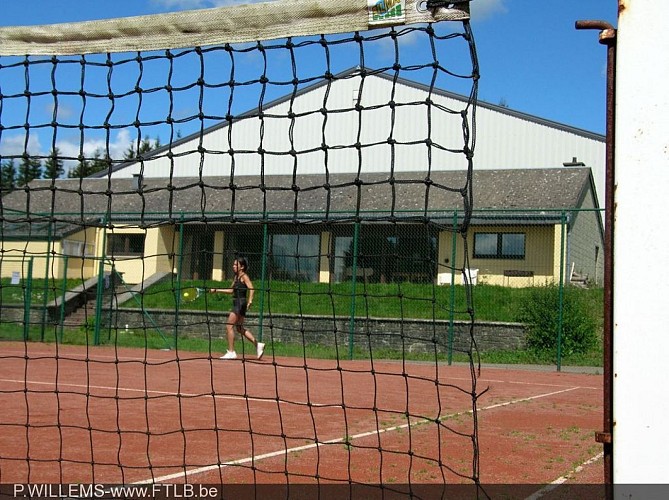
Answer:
(235, 24)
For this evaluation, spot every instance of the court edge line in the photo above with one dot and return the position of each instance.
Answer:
(563, 479)
(239, 398)
(208, 468)
(165, 393)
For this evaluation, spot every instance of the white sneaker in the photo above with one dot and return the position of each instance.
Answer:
(229, 355)
(260, 350)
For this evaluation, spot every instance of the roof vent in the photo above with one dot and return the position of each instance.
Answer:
(574, 163)
(136, 182)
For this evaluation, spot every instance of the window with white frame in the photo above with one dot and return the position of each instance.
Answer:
(74, 248)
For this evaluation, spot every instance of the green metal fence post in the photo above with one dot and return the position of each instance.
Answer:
(354, 275)
(451, 314)
(177, 302)
(45, 299)
(98, 291)
(27, 301)
(98, 302)
(63, 291)
(561, 292)
(263, 277)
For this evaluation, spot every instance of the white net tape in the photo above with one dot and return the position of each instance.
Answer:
(238, 24)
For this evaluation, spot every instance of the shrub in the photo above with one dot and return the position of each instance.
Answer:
(541, 315)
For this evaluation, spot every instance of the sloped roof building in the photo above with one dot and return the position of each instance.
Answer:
(346, 125)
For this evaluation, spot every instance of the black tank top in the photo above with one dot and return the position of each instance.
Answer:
(239, 290)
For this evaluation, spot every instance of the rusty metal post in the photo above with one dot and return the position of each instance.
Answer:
(607, 36)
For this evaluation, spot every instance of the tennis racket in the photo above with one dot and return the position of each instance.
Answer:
(191, 293)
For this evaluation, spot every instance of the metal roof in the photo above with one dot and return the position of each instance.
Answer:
(355, 72)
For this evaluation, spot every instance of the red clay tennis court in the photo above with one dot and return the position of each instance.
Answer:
(73, 414)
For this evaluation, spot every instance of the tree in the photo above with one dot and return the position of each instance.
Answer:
(145, 146)
(7, 176)
(99, 162)
(29, 169)
(87, 167)
(53, 166)
(81, 170)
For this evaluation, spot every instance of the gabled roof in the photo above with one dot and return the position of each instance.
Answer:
(518, 192)
(355, 72)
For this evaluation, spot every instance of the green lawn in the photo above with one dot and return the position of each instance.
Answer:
(407, 300)
(396, 300)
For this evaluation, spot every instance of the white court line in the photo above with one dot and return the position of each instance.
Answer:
(272, 454)
(208, 468)
(240, 461)
(563, 479)
(529, 398)
(67, 356)
(164, 393)
(544, 384)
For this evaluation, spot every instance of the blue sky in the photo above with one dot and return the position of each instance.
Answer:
(531, 56)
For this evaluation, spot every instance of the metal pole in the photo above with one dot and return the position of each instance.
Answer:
(46, 282)
(607, 36)
(354, 275)
(98, 294)
(263, 277)
(27, 301)
(179, 277)
(561, 293)
(63, 291)
(451, 319)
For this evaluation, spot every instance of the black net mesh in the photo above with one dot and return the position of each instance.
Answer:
(329, 174)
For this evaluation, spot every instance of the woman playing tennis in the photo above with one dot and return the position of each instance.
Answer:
(241, 286)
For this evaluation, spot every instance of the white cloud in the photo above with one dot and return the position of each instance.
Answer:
(64, 111)
(484, 9)
(15, 145)
(118, 145)
(198, 4)
(179, 4)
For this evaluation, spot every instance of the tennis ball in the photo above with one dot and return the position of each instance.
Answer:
(185, 294)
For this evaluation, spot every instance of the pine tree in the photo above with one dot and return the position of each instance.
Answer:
(88, 167)
(29, 169)
(7, 177)
(99, 162)
(145, 146)
(53, 166)
(80, 171)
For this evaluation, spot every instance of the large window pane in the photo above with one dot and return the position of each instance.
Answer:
(248, 243)
(342, 248)
(513, 245)
(485, 245)
(295, 257)
(387, 254)
(125, 244)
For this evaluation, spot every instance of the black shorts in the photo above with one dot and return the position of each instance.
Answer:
(239, 308)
